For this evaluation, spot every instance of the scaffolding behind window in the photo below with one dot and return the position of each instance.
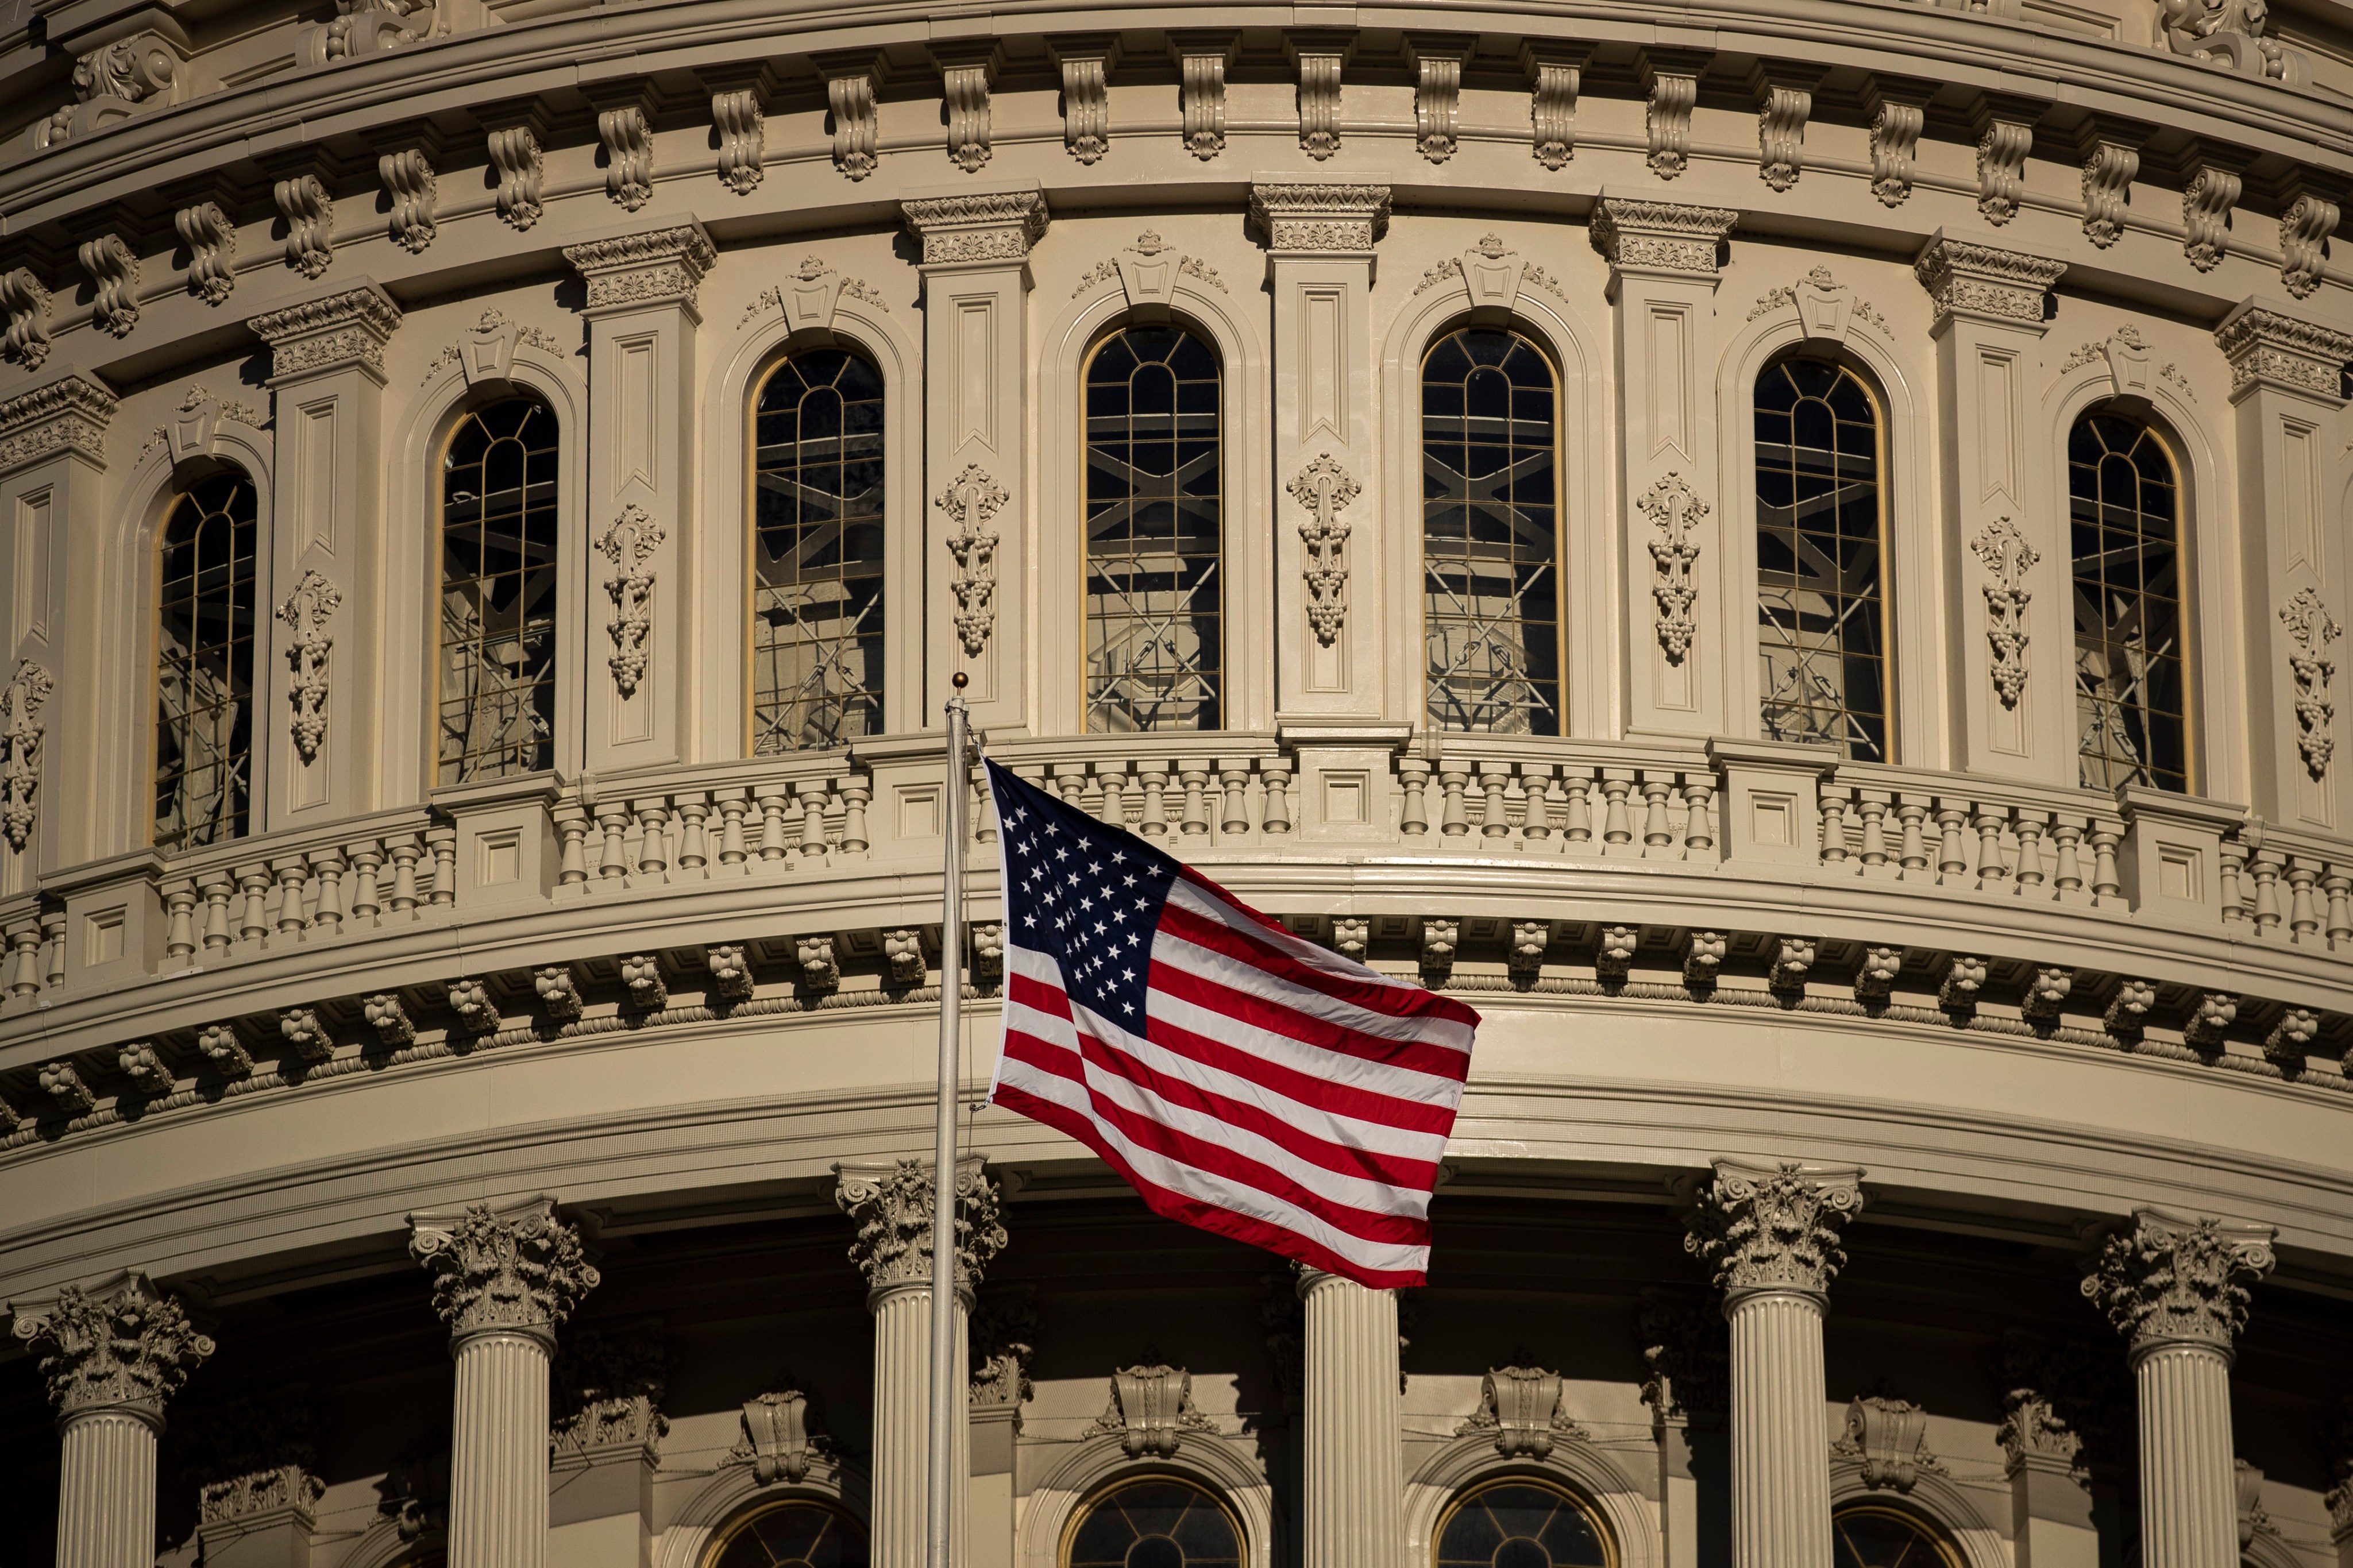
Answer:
(1490, 535)
(1821, 631)
(498, 592)
(1155, 516)
(2123, 510)
(204, 666)
(816, 567)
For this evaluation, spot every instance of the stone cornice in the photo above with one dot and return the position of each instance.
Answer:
(1977, 282)
(1319, 217)
(2174, 1281)
(892, 1206)
(332, 332)
(122, 1346)
(1774, 1228)
(632, 271)
(68, 415)
(981, 227)
(516, 1269)
(2269, 348)
(1660, 238)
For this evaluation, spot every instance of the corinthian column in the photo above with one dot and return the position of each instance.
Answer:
(111, 1355)
(1772, 1234)
(503, 1279)
(892, 1206)
(1355, 1472)
(2177, 1289)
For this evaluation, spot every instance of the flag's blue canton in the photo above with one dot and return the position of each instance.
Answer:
(1084, 894)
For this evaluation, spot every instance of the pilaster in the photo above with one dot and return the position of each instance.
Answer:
(645, 545)
(322, 715)
(892, 1206)
(1662, 280)
(1354, 1470)
(52, 465)
(1687, 1358)
(606, 1445)
(503, 1279)
(2286, 390)
(1771, 1234)
(2044, 1459)
(1320, 237)
(257, 1496)
(977, 520)
(113, 1357)
(2003, 533)
(2177, 1289)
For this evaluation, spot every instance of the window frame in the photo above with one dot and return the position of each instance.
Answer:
(1112, 1485)
(1939, 1535)
(1596, 1520)
(2186, 605)
(732, 1527)
(263, 689)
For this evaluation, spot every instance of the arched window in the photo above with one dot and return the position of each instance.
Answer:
(1156, 1522)
(2123, 509)
(1870, 1535)
(797, 1532)
(1156, 534)
(204, 666)
(1821, 617)
(499, 591)
(1520, 1523)
(1490, 534)
(816, 553)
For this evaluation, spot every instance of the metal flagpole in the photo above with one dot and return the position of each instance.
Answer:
(947, 1407)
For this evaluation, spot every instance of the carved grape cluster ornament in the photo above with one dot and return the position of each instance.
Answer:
(2314, 629)
(1675, 512)
(1774, 1229)
(1325, 489)
(124, 1345)
(306, 612)
(2170, 1281)
(517, 1270)
(20, 750)
(892, 1206)
(2009, 557)
(972, 501)
(630, 544)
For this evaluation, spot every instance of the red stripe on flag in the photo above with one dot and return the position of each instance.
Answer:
(1388, 1001)
(1378, 994)
(1438, 1061)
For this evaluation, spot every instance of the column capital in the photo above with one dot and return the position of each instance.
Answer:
(1688, 1358)
(655, 266)
(67, 414)
(892, 1206)
(2174, 1280)
(256, 1465)
(348, 327)
(2269, 348)
(516, 1269)
(1969, 281)
(1774, 1229)
(1659, 239)
(121, 1346)
(985, 226)
(1319, 217)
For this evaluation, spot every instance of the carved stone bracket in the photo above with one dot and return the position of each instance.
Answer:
(659, 267)
(972, 501)
(308, 211)
(1085, 64)
(306, 613)
(410, 185)
(113, 268)
(516, 1269)
(629, 544)
(1555, 72)
(2206, 203)
(515, 149)
(1774, 1228)
(1978, 282)
(121, 1345)
(626, 137)
(21, 701)
(967, 70)
(25, 303)
(1675, 512)
(2109, 169)
(211, 241)
(2172, 1280)
(2314, 629)
(348, 328)
(850, 81)
(1201, 62)
(743, 129)
(1520, 1407)
(1898, 112)
(1325, 489)
(892, 1206)
(1437, 62)
(1889, 1439)
(1152, 1409)
(998, 226)
(2009, 557)
(1660, 238)
(1668, 97)
(1320, 59)
(2304, 231)
(2004, 139)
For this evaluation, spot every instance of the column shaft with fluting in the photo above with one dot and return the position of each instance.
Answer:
(1355, 1481)
(106, 1492)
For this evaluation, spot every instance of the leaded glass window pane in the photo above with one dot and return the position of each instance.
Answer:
(498, 589)
(1868, 1537)
(816, 568)
(1155, 518)
(1490, 535)
(204, 666)
(1822, 627)
(1158, 1523)
(2123, 510)
(1519, 1524)
(797, 1534)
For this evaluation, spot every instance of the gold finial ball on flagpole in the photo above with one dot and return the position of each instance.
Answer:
(959, 680)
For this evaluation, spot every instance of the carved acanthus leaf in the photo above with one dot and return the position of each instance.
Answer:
(1774, 1228)
(517, 1269)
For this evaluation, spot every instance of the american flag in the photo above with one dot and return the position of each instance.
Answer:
(1241, 1079)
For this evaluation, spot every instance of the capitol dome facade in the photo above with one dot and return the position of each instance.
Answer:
(1792, 556)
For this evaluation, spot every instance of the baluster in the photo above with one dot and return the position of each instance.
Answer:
(1699, 817)
(2029, 827)
(2232, 891)
(327, 875)
(2068, 879)
(1154, 821)
(1413, 811)
(984, 815)
(25, 942)
(2303, 915)
(53, 939)
(293, 873)
(1536, 790)
(2339, 888)
(1991, 870)
(1070, 783)
(443, 843)
(1196, 779)
(180, 933)
(1110, 779)
(253, 923)
(220, 888)
(1275, 772)
(1832, 800)
(812, 795)
(2105, 885)
(1658, 832)
(653, 837)
(1617, 827)
(1454, 776)
(857, 789)
(1952, 854)
(1494, 817)
(774, 801)
(1871, 804)
(612, 823)
(405, 852)
(694, 809)
(1577, 817)
(2266, 865)
(733, 804)
(1913, 815)
(571, 834)
(367, 887)
(1234, 773)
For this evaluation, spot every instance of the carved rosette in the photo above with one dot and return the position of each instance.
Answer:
(119, 1346)
(1325, 489)
(1978, 282)
(306, 613)
(659, 267)
(1774, 1228)
(1320, 217)
(993, 227)
(630, 544)
(972, 501)
(2008, 557)
(517, 1270)
(1660, 238)
(68, 415)
(1675, 512)
(2175, 1281)
(349, 327)
(892, 1206)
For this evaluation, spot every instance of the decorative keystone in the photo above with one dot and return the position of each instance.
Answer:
(1520, 1407)
(119, 1346)
(1774, 1228)
(2174, 1281)
(780, 1441)
(641, 977)
(892, 1206)
(1151, 1408)
(731, 970)
(517, 1269)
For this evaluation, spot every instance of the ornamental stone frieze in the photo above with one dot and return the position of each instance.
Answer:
(2268, 348)
(119, 1346)
(2172, 1281)
(1319, 217)
(515, 1269)
(1660, 238)
(633, 271)
(892, 1206)
(68, 415)
(996, 227)
(1774, 1228)
(349, 327)
(1982, 283)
